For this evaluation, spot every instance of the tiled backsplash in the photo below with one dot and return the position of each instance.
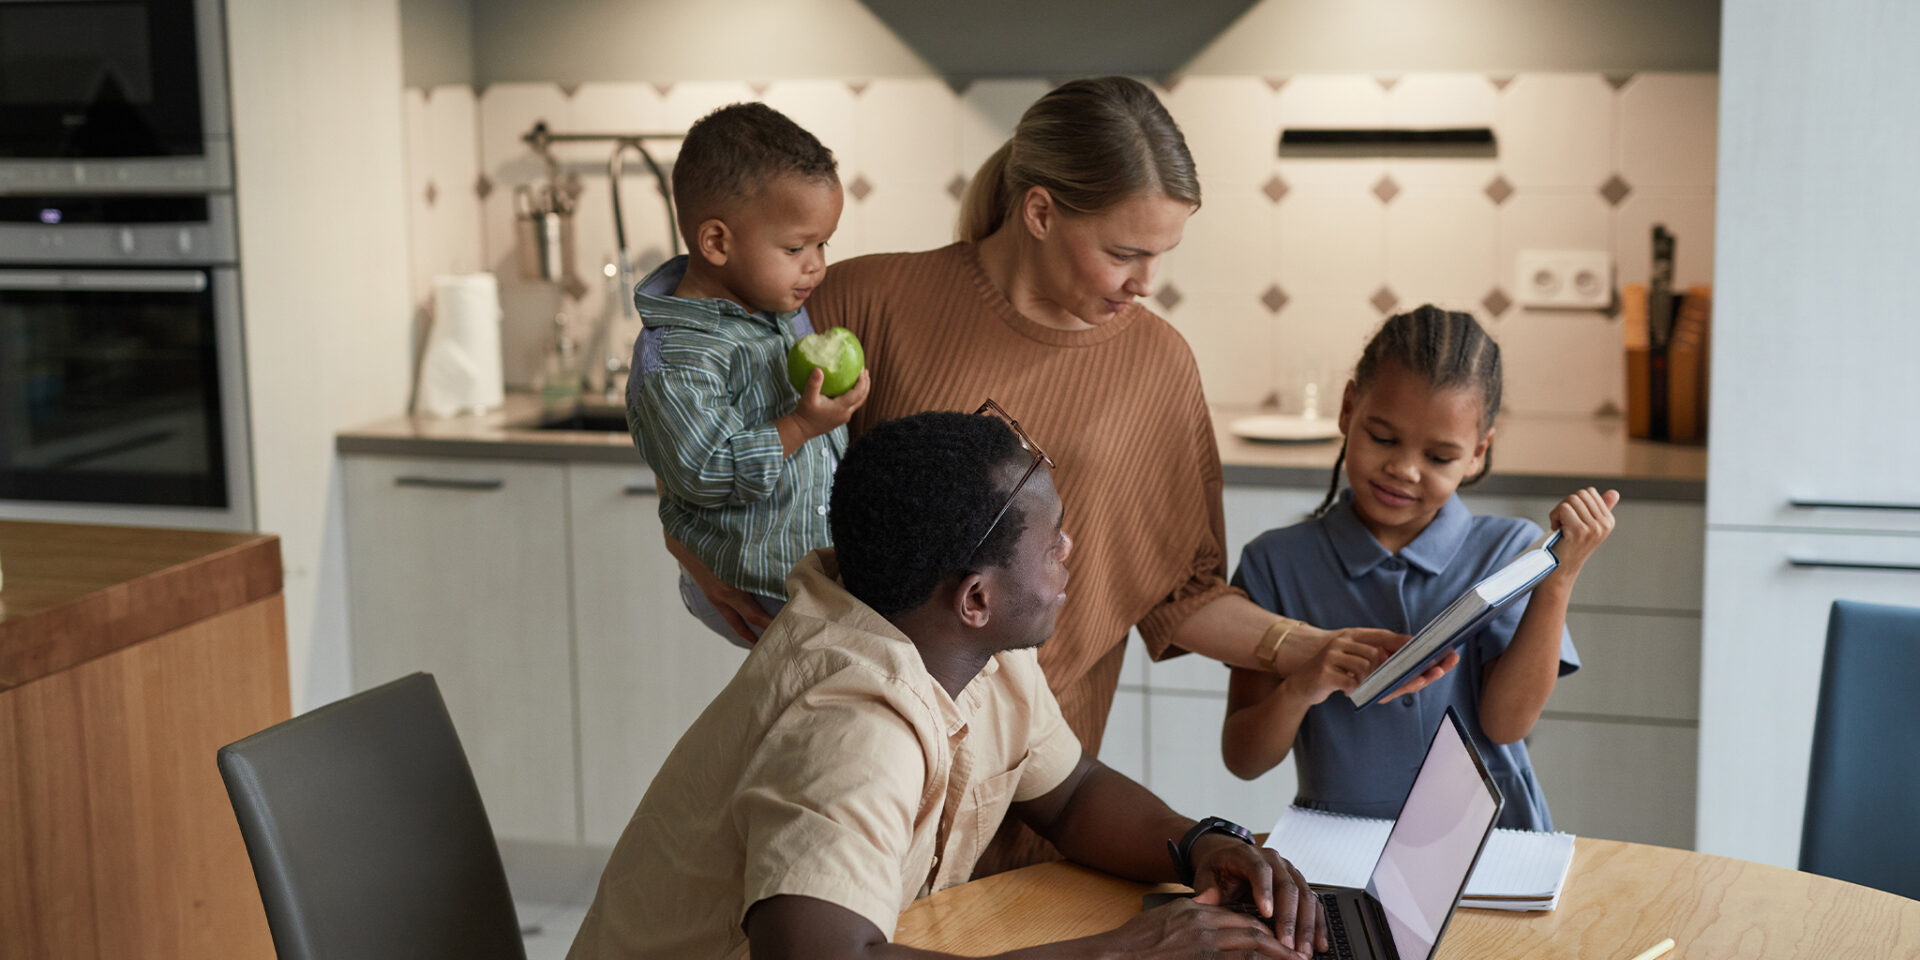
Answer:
(1283, 273)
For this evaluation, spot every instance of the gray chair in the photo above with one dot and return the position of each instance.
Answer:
(367, 834)
(1863, 786)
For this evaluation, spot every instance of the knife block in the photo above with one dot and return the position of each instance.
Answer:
(1667, 387)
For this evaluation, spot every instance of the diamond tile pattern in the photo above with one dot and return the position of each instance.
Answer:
(433, 193)
(1500, 80)
(1497, 302)
(957, 187)
(1615, 190)
(1275, 83)
(1274, 299)
(860, 188)
(1618, 80)
(1498, 190)
(1275, 188)
(482, 187)
(1384, 300)
(1168, 297)
(1387, 83)
(859, 86)
(759, 89)
(1386, 189)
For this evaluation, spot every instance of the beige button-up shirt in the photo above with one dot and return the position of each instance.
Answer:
(834, 766)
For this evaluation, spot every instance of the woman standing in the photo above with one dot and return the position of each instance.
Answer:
(1061, 232)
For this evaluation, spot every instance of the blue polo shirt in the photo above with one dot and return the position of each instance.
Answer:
(1332, 573)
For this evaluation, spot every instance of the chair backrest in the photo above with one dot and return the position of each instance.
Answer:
(1863, 784)
(367, 834)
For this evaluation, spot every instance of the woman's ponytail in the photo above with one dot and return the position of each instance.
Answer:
(985, 205)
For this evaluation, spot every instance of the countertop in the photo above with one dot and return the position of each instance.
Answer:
(74, 592)
(1533, 455)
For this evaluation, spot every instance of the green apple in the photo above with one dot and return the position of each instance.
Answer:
(837, 351)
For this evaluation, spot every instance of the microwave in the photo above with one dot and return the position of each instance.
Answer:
(113, 96)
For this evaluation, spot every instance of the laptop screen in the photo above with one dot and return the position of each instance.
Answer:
(1424, 866)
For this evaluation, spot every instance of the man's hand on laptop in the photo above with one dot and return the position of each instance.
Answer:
(1227, 870)
(1189, 927)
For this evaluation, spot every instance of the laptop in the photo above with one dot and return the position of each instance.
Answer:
(1443, 825)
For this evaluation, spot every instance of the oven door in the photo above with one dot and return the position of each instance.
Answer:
(99, 78)
(121, 397)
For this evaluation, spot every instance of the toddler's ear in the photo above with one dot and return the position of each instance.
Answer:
(713, 241)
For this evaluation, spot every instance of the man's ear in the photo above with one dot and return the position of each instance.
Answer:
(1037, 212)
(713, 241)
(973, 601)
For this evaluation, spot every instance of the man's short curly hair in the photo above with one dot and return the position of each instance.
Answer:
(732, 154)
(911, 497)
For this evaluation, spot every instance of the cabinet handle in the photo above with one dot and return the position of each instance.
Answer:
(1805, 504)
(641, 490)
(448, 483)
(1808, 562)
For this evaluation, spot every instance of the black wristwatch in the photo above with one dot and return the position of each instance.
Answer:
(1182, 852)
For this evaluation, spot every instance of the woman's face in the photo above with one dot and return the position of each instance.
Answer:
(1095, 265)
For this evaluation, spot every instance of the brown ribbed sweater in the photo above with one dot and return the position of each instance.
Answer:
(1118, 408)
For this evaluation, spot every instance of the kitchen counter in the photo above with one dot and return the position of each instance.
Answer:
(76, 592)
(128, 656)
(1533, 455)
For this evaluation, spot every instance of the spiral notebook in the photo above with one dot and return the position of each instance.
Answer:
(1518, 870)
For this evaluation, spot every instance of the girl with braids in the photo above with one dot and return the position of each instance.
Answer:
(1391, 551)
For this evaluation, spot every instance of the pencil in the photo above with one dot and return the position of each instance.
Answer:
(1656, 950)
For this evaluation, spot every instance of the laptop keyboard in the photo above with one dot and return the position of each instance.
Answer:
(1336, 932)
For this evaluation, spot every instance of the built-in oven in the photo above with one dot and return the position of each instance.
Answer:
(122, 386)
(113, 96)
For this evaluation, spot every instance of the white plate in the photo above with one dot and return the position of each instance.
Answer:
(1285, 428)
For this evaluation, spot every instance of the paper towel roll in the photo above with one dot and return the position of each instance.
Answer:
(461, 371)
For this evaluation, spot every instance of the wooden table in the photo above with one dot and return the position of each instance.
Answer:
(1620, 898)
(127, 657)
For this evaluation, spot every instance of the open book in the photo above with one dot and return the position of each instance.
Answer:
(1518, 870)
(1460, 620)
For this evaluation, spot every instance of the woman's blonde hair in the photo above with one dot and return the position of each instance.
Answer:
(1091, 143)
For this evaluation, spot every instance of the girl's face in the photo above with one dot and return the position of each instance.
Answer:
(1094, 266)
(1408, 448)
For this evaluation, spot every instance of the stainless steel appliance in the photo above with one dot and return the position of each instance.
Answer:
(104, 96)
(122, 385)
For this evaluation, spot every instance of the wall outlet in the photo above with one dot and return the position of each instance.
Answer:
(1564, 279)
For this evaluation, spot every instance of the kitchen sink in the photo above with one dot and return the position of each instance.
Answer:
(590, 418)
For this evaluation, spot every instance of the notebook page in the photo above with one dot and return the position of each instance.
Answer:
(1335, 849)
(1330, 849)
(1517, 863)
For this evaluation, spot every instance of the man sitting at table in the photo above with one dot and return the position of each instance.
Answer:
(890, 717)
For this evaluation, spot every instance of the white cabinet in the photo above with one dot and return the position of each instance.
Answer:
(647, 668)
(1760, 674)
(459, 568)
(1814, 344)
(1813, 387)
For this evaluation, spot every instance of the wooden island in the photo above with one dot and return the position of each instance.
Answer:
(127, 657)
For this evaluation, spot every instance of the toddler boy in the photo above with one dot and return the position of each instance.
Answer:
(745, 463)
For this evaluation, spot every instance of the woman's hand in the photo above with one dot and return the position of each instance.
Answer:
(736, 606)
(1584, 520)
(1341, 664)
(1386, 642)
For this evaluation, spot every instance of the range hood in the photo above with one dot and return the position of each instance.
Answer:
(1057, 38)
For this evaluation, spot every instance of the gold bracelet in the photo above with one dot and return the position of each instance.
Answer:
(1268, 650)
